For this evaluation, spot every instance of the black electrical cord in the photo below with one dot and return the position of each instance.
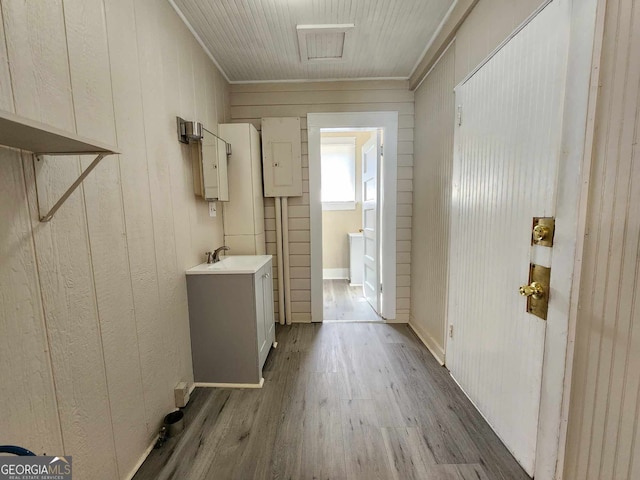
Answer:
(22, 452)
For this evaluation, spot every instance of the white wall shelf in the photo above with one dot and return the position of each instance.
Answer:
(40, 139)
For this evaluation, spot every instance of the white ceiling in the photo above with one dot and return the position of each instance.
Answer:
(256, 40)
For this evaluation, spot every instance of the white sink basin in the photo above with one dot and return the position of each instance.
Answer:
(231, 265)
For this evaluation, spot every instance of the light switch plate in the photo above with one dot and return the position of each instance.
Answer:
(212, 209)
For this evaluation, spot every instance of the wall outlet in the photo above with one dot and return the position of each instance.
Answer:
(212, 209)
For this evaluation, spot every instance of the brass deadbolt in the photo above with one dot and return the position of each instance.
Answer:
(543, 231)
(535, 290)
(540, 232)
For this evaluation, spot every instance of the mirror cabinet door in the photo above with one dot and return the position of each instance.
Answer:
(209, 147)
(223, 179)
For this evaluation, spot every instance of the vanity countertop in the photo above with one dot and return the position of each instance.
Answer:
(233, 264)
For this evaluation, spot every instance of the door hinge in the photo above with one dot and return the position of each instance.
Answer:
(380, 288)
(381, 150)
(459, 115)
(450, 331)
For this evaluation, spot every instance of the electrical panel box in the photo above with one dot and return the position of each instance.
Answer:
(281, 157)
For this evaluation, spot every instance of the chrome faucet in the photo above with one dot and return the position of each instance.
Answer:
(215, 256)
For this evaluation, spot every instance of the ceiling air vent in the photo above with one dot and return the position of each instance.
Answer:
(323, 43)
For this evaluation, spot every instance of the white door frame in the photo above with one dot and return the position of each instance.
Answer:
(388, 121)
(585, 42)
(586, 30)
(371, 264)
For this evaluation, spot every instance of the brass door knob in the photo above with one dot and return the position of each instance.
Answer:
(540, 232)
(535, 290)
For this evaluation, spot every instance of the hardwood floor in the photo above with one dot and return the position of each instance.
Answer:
(340, 401)
(344, 302)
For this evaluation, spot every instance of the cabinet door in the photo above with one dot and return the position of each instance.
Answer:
(214, 167)
(260, 313)
(269, 317)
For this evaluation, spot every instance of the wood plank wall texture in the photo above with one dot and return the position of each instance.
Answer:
(93, 309)
(604, 422)
(432, 172)
(251, 102)
(488, 24)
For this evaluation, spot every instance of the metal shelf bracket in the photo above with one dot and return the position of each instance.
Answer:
(40, 139)
(71, 189)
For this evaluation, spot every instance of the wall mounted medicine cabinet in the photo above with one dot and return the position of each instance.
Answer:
(209, 155)
(210, 168)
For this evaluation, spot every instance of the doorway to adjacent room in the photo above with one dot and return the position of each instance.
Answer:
(352, 190)
(349, 165)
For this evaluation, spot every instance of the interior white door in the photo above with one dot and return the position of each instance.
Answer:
(506, 159)
(371, 234)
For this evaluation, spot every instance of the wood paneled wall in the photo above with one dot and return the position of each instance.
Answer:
(488, 24)
(251, 102)
(432, 174)
(604, 421)
(93, 310)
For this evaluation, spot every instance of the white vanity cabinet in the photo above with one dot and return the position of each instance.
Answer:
(264, 312)
(231, 315)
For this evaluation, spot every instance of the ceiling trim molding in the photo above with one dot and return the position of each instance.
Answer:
(198, 39)
(445, 33)
(313, 80)
(435, 63)
(433, 37)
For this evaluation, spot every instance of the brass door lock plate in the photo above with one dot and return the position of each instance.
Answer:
(537, 291)
(542, 231)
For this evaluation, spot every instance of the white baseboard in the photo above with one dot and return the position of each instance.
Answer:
(335, 273)
(400, 318)
(427, 340)
(144, 456)
(230, 385)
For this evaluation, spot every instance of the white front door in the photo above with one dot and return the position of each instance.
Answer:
(506, 159)
(370, 165)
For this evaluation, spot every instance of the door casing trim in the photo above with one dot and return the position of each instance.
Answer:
(585, 46)
(387, 200)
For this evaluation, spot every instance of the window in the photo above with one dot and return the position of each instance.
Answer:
(338, 169)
